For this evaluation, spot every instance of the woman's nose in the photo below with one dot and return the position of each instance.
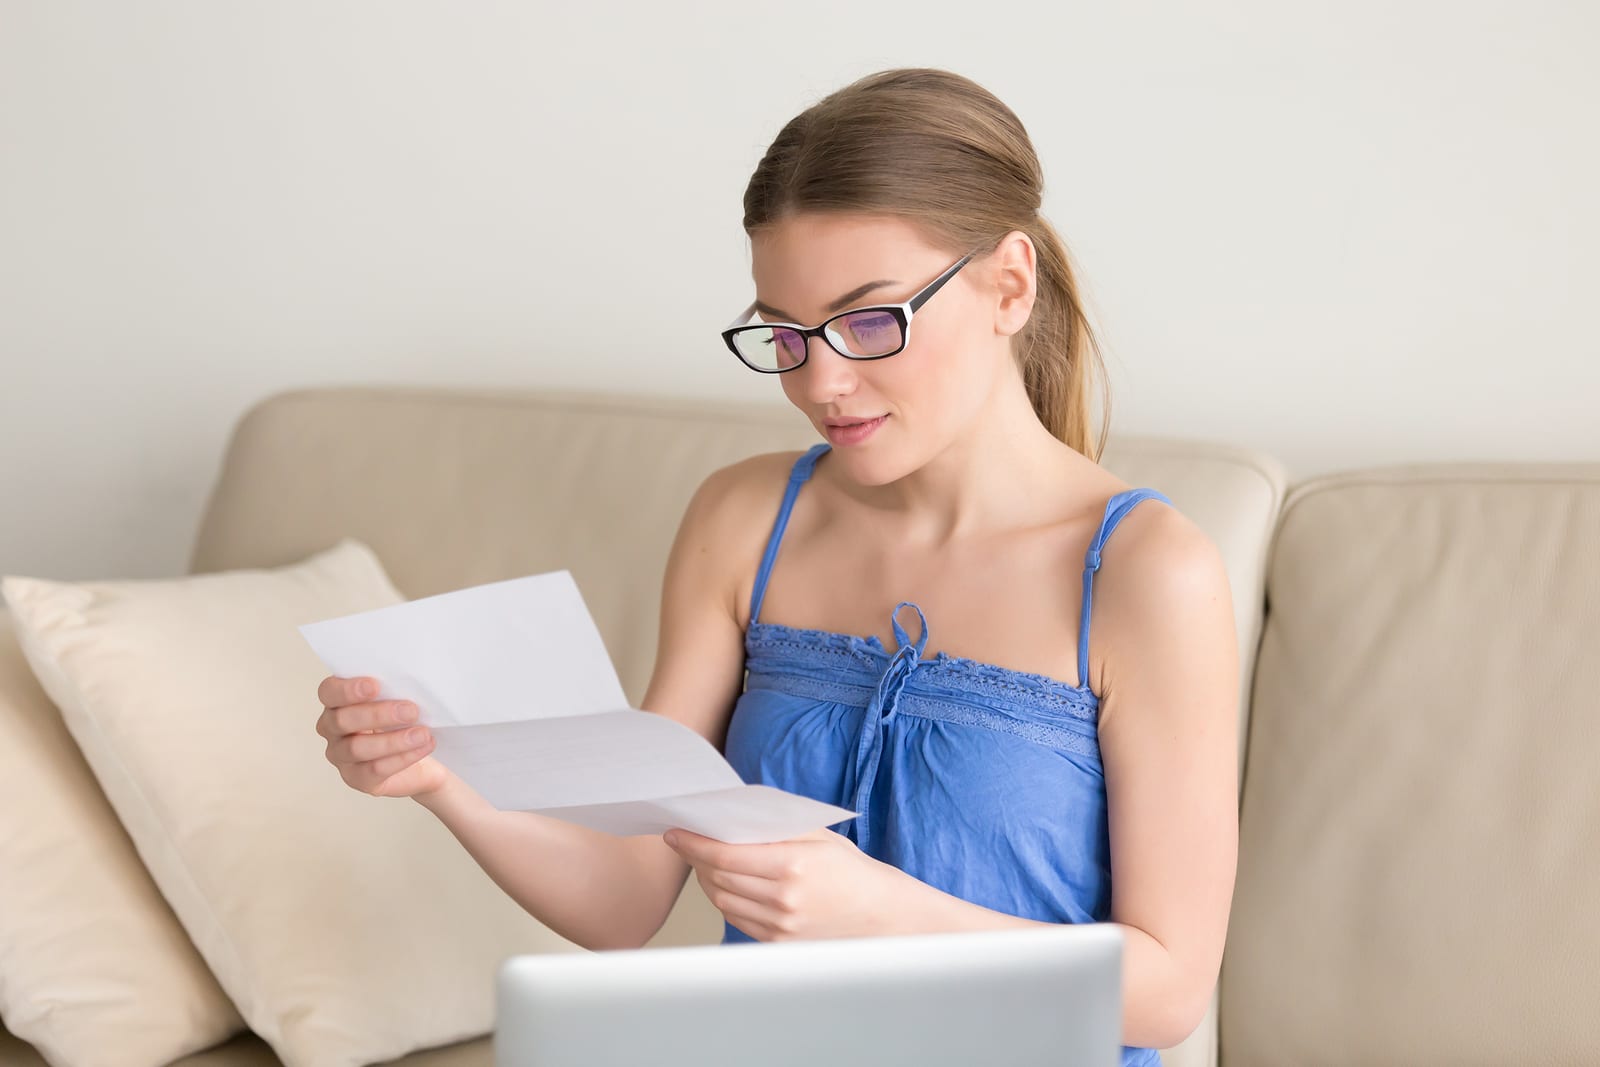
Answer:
(827, 373)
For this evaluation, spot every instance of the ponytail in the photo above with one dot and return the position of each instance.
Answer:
(1057, 350)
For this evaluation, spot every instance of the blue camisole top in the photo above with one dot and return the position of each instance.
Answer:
(981, 781)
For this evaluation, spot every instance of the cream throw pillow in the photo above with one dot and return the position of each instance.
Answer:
(94, 969)
(346, 928)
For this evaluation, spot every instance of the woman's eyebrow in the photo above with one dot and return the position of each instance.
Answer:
(838, 305)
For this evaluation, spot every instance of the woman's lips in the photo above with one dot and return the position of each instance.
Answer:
(853, 433)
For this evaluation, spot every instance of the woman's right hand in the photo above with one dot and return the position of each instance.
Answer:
(376, 745)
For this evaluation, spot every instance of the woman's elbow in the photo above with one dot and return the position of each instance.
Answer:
(1186, 1010)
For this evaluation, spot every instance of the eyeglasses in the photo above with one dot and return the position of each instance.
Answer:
(863, 333)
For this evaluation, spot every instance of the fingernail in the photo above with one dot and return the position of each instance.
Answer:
(408, 712)
(368, 689)
(416, 737)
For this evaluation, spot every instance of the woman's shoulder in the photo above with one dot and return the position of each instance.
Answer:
(1156, 567)
(726, 525)
(1152, 535)
(730, 492)
(1155, 543)
(734, 506)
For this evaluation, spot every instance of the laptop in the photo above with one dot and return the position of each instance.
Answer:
(1050, 995)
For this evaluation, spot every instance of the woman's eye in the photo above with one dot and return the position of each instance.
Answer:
(867, 325)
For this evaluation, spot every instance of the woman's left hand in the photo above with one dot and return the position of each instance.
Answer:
(819, 885)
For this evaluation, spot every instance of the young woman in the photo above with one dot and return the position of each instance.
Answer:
(1020, 670)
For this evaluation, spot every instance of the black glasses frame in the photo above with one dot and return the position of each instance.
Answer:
(901, 312)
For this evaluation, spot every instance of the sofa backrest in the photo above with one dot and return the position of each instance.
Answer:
(453, 488)
(1419, 875)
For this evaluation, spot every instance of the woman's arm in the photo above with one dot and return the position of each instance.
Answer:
(1164, 655)
(596, 889)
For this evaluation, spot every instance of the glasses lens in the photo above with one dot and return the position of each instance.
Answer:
(770, 348)
(866, 333)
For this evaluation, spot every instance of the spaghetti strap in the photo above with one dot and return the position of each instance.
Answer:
(1116, 508)
(798, 476)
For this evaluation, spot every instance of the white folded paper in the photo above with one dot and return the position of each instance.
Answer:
(514, 682)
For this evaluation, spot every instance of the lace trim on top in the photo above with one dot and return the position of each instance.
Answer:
(827, 665)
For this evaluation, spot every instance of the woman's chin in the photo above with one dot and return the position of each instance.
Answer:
(870, 466)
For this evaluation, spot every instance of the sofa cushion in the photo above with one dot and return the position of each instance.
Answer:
(1420, 831)
(94, 967)
(346, 928)
(248, 1050)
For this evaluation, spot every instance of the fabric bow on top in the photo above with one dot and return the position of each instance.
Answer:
(875, 722)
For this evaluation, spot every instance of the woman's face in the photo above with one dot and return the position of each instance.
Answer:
(884, 417)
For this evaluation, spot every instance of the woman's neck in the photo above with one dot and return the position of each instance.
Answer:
(995, 476)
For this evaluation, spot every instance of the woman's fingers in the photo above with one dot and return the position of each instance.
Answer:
(758, 906)
(756, 919)
(748, 886)
(376, 744)
(776, 860)
(363, 748)
(335, 723)
(336, 692)
(387, 766)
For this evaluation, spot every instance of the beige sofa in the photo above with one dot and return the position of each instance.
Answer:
(1419, 877)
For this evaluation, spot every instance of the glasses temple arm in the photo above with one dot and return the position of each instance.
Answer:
(916, 302)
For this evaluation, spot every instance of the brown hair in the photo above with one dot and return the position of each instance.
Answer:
(942, 152)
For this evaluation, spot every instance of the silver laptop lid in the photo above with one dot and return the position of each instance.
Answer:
(1039, 996)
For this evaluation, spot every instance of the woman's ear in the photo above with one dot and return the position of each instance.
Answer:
(1016, 280)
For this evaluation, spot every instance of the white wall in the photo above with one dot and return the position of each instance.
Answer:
(1345, 233)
